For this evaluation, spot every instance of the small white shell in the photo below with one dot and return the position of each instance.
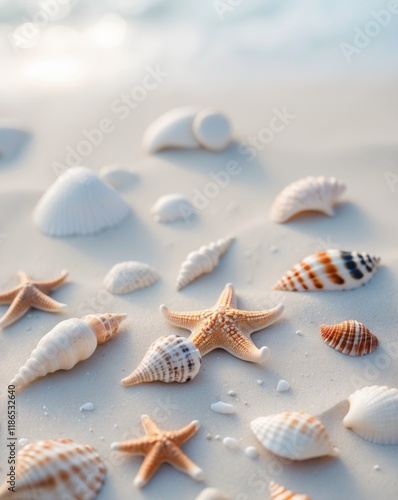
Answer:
(117, 177)
(172, 207)
(212, 494)
(202, 261)
(278, 492)
(223, 408)
(308, 194)
(293, 435)
(13, 142)
(79, 203)
(373, 414)
(212, 129)
(126, 277)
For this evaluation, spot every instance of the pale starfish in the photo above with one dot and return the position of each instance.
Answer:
(29, 294)
(161, 446)
(226, 327)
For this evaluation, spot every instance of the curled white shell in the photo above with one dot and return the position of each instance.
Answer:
(330, 270)
(169, 359)
(293, 435)
(117, 177)
(172, 207)
(373, 414)
(308, 194)
(56, 469)
(278, 492)
(79, 203)
(202, 261)
(126, 277)
(69, 342)
(212, 129)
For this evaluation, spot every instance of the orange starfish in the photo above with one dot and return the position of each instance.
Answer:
(160, 446)
(30, 294)
(226, 327)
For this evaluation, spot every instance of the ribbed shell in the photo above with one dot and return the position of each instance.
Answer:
(330, 270)
(169, 359)
(293, 435)
(350, 337)
(172, 207)
(202, 261)
(126, 277)
(57, 469)
(79, 203)
(311, 193)
(373, 414)
(278, 492)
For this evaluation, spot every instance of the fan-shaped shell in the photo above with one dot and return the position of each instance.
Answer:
(278, 492)
(126, 277)
(117, 177)
(311, 193)
(330, 270)
(172, 207)
(169, 359)
(293, 435)
(79, 203)
(212, 129)
(350, 337)
(57, 469)
(373, 414)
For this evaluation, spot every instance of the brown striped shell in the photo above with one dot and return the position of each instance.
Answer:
(350, 337)
(278, 492)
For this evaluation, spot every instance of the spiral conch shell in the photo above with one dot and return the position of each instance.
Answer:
(278, 492)
(202, 261)
(350, 337)
(69, 342)
(169, 359)
(56, 469)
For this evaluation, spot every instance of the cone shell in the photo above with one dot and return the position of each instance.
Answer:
(79, 203)
(126, 277)
(350, 337)
(293, 435)
(373, 414)
(169, 359)
(56, 469)
(330, 270)
(311, 193)
(278, 492)
(171, 208)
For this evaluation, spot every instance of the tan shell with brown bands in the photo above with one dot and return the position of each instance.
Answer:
(350, 337)
(278, 492)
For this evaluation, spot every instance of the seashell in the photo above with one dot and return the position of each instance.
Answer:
(171, 208)
(293, 435)
(373, 414)
(311, 193)
(69, 342)
(13, 142)
(212, 494)
(117, 177)
(278, 492)
(79, 203)
(126, 277)
(56, 469)
(350, 337)
(330, 270)
(169, 359)
(212, 129)
(202, 261)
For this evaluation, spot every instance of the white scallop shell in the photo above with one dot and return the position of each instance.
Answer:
(126, 277)
(308, 194)
(172, 207)
(56, 469)
(278, 492)
(13, 142)
(293, 435)
(169, 359)
(202, 261)
(212, 129)
(117, 177)
(79, 203)
(373, 414)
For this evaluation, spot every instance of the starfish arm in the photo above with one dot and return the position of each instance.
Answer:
(139, 446)
(48, 286)
(8, 297)
(23, 277)
(186, 432)
(252, 321)
(17, 309)
(180, 461)
(242, 347)
(227, 297)
(149, 466)
(149, 425)
(41, 301)
(187, 320)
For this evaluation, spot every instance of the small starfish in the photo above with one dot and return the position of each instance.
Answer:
(30, 294)
(160, 446)
(226, 327)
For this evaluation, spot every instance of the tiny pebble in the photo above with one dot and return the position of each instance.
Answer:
(102, 438)
(232, 393)
(217, 437)
(46, 413)
(299, 332)
(209, 437)
(260, 382)
(283, 386)
(251, 452)
(230, 442)
(221, 407)
(273, 249)
(90, 429)
(87, 407)
(22, 442)
(116, 426)
(376, 467)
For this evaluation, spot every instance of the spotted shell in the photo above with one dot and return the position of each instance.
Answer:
(293, 435)
(350, 337)
(373, 414)
(169, 359)
(172, 207)
(308, 194)
(56, 469)
(330, 270)
(126, 277)
(278, 492)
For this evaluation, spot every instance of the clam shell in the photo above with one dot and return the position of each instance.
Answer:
(308, 194)
(293, 435)
(117, 177)
(79, 203)
(373, 414)
(212, 129)
(278, 492)
(169, 359)
(57, 469)
(350, 337)
(330, 270)
(126, 277)
(172, 207)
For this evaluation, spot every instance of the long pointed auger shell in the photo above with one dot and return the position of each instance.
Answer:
(279, 492)
(350, 337)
